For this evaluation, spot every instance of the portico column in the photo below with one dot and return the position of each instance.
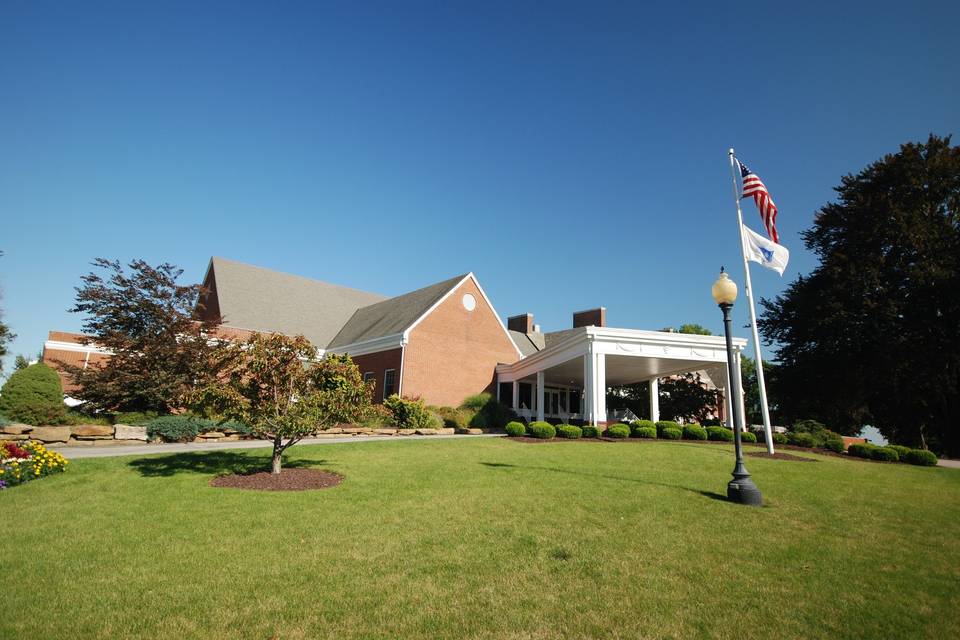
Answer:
(600, 385)
(741, 399)
(540, 396)
(588, 388)
(655, 399)
(516, 396)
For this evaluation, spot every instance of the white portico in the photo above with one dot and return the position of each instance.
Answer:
(570, 375)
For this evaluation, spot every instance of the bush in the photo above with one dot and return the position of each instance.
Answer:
(590, 431)
(569, 431)
(748, 436)
(458, 419)
(712, 422)
(33, 396)
(720, 434)
(178, 428)
(921, 457)
(901, 450)
(807, 426)
(618, 430)
(861, 450)
(646, 432)
(410, 413)
(833, 444)
(801, 439)
(542, 430)
(694, 432)
(636, 425)
(378, 417)
(488, 412)
(779, 438)
(670, 434)
(515, 429)
(28, 461)
(666, 424)
(885, 454)
(134, 418)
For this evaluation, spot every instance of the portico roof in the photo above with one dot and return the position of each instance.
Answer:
(631, 355)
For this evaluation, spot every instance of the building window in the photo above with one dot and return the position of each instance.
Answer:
(389, 383)
(506, 393)
(368, 376)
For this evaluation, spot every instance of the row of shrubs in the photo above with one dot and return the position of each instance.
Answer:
(480, 411)
(664, 429)
(893, 453)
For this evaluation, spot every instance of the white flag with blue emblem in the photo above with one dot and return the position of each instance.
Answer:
(766, 252)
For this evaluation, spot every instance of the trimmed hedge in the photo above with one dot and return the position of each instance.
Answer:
(694, 432)
(645, 432)
(33, 395)
(748, 436)
(636, 425)
(921, 457)
(720, 434)
(779, 438)
(178, 428)
(900, 449)
(590, 431)
(860, 450)
(515, 429)
(670, 434)
(410, 413)
(666, 424)
(801, 439)
(833, 444)
(885, 454)
(618, 430)
(569, 431)
(542, 430)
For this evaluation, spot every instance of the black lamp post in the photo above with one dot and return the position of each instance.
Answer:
(741, 489)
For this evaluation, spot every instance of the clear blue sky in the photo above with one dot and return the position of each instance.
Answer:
(571, 155)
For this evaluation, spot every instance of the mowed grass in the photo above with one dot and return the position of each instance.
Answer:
(484, 538)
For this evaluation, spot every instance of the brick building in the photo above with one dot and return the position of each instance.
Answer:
(444, 342)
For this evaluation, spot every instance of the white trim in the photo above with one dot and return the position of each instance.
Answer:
(73, 346)
(403, 352)
(406, 333)
(372, 345)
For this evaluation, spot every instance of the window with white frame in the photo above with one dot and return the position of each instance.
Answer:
(389, 383)
(368, 376)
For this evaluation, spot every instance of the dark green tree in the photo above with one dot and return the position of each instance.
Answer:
(872, 335)
(33, 395)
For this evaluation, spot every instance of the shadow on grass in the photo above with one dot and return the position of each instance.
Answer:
(707, 494)
(212, 463)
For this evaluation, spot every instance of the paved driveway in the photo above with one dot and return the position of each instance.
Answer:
(952, 464)
(75, 452)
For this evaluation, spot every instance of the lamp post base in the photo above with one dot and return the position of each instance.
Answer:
(744, 491)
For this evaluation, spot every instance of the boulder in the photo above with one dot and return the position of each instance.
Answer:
(50, 434)
(112, 442)
(333, 430)
(213, 435)
(406, 432)
(447, 431)
(385, 432)
(91, 431)
(10, 436)
(126, 432)
(427, 432)
(16, 429)
(80, 443)
(354, 430)
(475, 432)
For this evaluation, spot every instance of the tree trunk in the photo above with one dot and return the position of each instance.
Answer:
(277, 457)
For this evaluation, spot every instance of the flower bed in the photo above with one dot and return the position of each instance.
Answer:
(19, 464)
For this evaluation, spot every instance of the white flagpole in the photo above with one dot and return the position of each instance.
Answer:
(753, 314)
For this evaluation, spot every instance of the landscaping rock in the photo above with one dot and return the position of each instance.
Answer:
(10, 436)
(213, 435)
(16, 429)
(50, 434)
(475, 432)
(112, 442)
(427, 432)
(337, 430)
(126, 432)
(80, 443)
(91, 430)
(447, 431)
(385, 432)
(406, 432)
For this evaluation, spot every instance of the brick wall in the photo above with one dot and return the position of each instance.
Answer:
(453, 352)
(378, 363)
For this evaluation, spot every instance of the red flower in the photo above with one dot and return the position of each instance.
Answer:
(10, 450)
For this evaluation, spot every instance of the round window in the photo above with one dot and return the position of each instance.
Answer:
(469, 302)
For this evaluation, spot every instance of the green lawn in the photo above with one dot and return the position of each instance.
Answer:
(484, 538)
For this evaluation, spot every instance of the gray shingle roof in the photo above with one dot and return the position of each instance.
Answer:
(554, 337)
(524, 343)
(392, 316)
(265, 300)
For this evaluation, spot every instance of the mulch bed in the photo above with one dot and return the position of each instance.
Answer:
(779, 455)
(287, 480)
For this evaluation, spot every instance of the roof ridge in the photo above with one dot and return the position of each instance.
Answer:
(287, 274)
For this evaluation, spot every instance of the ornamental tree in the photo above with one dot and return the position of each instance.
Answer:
(162, 350)
(276, 385)
(33, 395)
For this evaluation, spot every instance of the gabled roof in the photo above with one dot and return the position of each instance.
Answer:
(527, 343)
(392, 316)
(261, 299)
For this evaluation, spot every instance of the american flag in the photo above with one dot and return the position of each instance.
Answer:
(753, 186)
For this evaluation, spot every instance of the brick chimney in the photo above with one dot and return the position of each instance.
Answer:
(522, 323)
(590, 318)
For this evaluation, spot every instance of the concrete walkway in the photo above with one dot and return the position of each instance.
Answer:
(950, 464)
(73, 453)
